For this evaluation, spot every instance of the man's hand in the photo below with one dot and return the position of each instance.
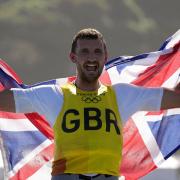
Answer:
(171, 98)
(177, 88)
(7, 101)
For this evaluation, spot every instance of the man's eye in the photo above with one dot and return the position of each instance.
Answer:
(98, 51)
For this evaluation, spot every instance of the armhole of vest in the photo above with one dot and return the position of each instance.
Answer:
(61, 91)
(115, 96)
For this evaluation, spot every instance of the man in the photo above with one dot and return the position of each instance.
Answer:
(86, 115)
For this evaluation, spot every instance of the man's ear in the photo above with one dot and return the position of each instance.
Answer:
(106, 57)
(72, 56)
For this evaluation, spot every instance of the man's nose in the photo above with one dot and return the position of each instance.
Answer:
(92, 57)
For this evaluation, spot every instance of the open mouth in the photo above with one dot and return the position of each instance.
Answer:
(91, 67)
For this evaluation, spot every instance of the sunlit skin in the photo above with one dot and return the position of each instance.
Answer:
(90, 57)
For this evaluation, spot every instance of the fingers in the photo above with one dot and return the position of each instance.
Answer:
(177, 88)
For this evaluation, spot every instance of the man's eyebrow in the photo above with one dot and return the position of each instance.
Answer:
(98, 49)
(82, 49)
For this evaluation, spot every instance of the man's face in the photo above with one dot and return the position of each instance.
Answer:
(89, 57)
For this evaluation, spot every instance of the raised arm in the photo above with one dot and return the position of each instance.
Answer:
(171, 98)
(131, 98)
(7, 102)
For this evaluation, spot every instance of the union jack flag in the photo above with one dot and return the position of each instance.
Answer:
(149, 137)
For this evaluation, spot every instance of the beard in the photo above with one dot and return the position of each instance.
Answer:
(88, 76)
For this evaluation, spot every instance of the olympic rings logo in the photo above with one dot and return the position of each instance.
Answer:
(91, 99)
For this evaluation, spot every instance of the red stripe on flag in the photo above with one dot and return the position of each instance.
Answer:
(1, 87)
(41, 124)
(71, 79)
(11, 71)
(138, 162)
(105, 79)
(155, 113)
(13, 116)
(164, 67)
(34, 164)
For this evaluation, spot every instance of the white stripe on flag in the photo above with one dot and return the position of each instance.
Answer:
(148, 137)
(61, 81)
(16, 125)
(43, 173)
(153, 118)
(114, 75)
(141, 122)
(6, 71)
(174, 39)
(29, 157)
(173, 80)
(132, 71)
(156, 118)
(174, 111)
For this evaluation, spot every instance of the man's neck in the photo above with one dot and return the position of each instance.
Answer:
(87, 86)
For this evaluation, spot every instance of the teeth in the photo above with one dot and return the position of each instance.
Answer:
(91, 67)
